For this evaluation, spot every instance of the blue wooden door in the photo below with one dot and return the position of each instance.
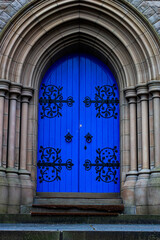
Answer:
(78, 128)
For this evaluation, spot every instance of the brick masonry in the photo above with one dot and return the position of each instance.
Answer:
(150, 9)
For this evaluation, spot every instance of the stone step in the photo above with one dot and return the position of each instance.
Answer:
(93, 210)
(76, 201)
(122, 219)
(65, 213)
(79, 231)
(76, 206)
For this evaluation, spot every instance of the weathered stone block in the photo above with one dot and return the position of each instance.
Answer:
(136, 3)
(149, 12)
(128, 193)
(141, 192)
(16, 5)
(13, 191)
(155, 18)
(26, 188)
(23, 2)
(3, 4)
(4, 17)
(3, 192)
(29, 235)
(153, 193)
(157, 25)
(10, 10)
(124, 235)
(143, 7)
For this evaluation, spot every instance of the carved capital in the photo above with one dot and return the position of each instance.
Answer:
(15, 91)
(26, 94)
(142, 92)
(131, 95)
(4, 87)
(154, 88)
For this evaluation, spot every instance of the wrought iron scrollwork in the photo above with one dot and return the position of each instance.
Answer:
(52, 101)
(105, 101)
(106, 165)
(68, 137)
(88, 138)
(51, 164)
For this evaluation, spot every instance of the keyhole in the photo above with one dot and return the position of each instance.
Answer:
(85, 147)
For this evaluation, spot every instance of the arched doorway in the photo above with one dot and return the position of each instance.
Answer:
(122, 38)
(78, 132)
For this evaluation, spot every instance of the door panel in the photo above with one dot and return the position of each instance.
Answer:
(78, 128)
(61, 118)
(99, 122)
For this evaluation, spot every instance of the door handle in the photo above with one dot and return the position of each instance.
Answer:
(88, 137)
(68, 137)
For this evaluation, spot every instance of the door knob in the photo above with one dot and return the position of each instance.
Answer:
(88, 137)
(68, 137)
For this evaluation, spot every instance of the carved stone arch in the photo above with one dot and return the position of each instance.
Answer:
(131, 31)
(46, 30)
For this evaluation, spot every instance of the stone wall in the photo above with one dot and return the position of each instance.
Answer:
(150, 9)
(124, 42)
(8, 8)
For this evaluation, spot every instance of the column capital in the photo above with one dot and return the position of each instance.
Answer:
(130, 92)
(4, 87)
(154, 88)
(27, 94)
(131, 95)
(142, 91)
(15, 90)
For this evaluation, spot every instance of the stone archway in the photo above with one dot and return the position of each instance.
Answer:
(38, 35)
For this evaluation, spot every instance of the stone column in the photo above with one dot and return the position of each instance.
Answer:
(154, 89)
(143, 175)
(131, 176)
(154, 181)
(12, 173)
(4, 87)
(26, 184)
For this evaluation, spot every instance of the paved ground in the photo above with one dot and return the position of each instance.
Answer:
(81, 227)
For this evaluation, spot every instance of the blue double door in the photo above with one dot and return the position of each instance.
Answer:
(78, 128)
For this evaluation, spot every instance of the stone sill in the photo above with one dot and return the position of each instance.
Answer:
(121, 219)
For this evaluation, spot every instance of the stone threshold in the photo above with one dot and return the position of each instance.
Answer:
(121, 219)
(79, 231)
(76, 210)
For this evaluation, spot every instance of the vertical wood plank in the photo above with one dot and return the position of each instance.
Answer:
(79, 75)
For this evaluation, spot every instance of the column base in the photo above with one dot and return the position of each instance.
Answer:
(128, 192)
(14, 191)
(153, 193)
(26, 187)
(141, 192)
(3, 191)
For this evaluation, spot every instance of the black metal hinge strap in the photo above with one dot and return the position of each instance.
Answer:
(52, 101)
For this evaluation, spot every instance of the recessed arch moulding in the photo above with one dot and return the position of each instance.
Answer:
(115, 33)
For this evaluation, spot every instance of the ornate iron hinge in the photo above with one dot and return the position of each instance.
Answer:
(105, 101)
(51, 164)
(105, 165)
(52, 101)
